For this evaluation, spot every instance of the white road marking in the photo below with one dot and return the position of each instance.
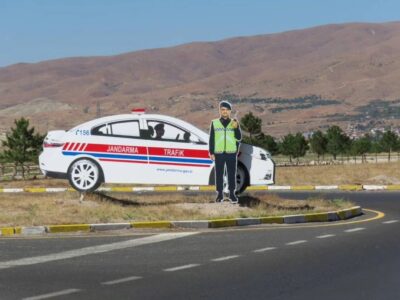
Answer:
(121, 280)
(225, 258)
(390, 222)
(184, 267)
(93, 250)
(52, 295)
(354, 229)
(296, 242)
(264, 249)
(325, 236)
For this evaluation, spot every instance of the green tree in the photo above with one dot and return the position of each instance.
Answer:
(286, 145)
(361, 146)
(294, 146)
(22, 144)
(376, 145)
(318, 143)
(251, 124)
(268, 143)
(264, 141)
(338, 142)
(389, 142)
(300, 146)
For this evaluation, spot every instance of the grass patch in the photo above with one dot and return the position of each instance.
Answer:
(65, 208)
(369, 173)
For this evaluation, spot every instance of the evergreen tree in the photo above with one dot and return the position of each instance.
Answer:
(251, 124)
(294, 146)
(338, 142)
(389, 142)
(361, 146)
(300, 146)
(318, 143)
(286, 146)
(268, 143)
(22, 144)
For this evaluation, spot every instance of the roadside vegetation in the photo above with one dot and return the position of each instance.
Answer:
(333, 143)
(324, 156)
(370, 173)
(22, 145)
(65, 208)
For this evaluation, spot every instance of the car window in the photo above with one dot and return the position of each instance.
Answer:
(101, 130)
(159, 130)
(125, 129)
(128, 129)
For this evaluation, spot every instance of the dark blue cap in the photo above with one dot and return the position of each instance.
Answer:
(225, 104)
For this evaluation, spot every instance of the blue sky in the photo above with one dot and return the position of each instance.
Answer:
(36, 30)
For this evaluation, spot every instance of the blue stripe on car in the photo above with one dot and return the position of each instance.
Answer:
(141, 157)
(178, 159)
(103, 155)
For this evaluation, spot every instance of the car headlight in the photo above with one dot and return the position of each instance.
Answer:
(262, 154)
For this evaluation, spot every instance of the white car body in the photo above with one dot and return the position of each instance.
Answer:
(125, 150)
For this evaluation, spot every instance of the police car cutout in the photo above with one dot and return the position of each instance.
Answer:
(141, 148)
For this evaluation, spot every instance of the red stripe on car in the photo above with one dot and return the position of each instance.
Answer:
(121, 149)
(76, 147)
(176, 152)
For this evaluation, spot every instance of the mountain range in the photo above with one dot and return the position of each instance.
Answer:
(301, 80)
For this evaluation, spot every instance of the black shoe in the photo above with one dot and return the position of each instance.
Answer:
(219, 198)
(233, 198)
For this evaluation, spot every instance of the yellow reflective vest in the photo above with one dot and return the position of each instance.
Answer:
(224, 138)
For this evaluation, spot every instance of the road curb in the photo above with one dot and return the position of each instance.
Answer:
(130, 189)
(68, 228)
(343, 214)
(154, 224)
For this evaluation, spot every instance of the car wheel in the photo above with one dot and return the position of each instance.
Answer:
(242, 179)
(85, 175)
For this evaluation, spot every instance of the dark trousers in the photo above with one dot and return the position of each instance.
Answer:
(230, 161)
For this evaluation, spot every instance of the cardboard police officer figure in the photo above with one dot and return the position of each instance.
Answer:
(225, 136)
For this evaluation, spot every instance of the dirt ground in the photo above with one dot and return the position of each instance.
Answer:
(27, 209)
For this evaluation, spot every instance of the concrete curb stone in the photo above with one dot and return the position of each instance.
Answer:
(130, 189)
(248, 221)
(33, 230)
(294, 219)
(109, 226)
(193, 224)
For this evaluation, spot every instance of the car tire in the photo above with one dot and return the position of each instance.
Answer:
(85, 175)
(242, 178)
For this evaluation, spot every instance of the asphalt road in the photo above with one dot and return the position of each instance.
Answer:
(356, 259)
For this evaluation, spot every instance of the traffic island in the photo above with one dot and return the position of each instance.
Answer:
(343, 214)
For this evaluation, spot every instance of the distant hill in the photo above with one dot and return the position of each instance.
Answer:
(296, 80)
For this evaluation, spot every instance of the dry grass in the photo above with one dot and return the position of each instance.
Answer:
(65, 208)
(368, 173)
(371, 173)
